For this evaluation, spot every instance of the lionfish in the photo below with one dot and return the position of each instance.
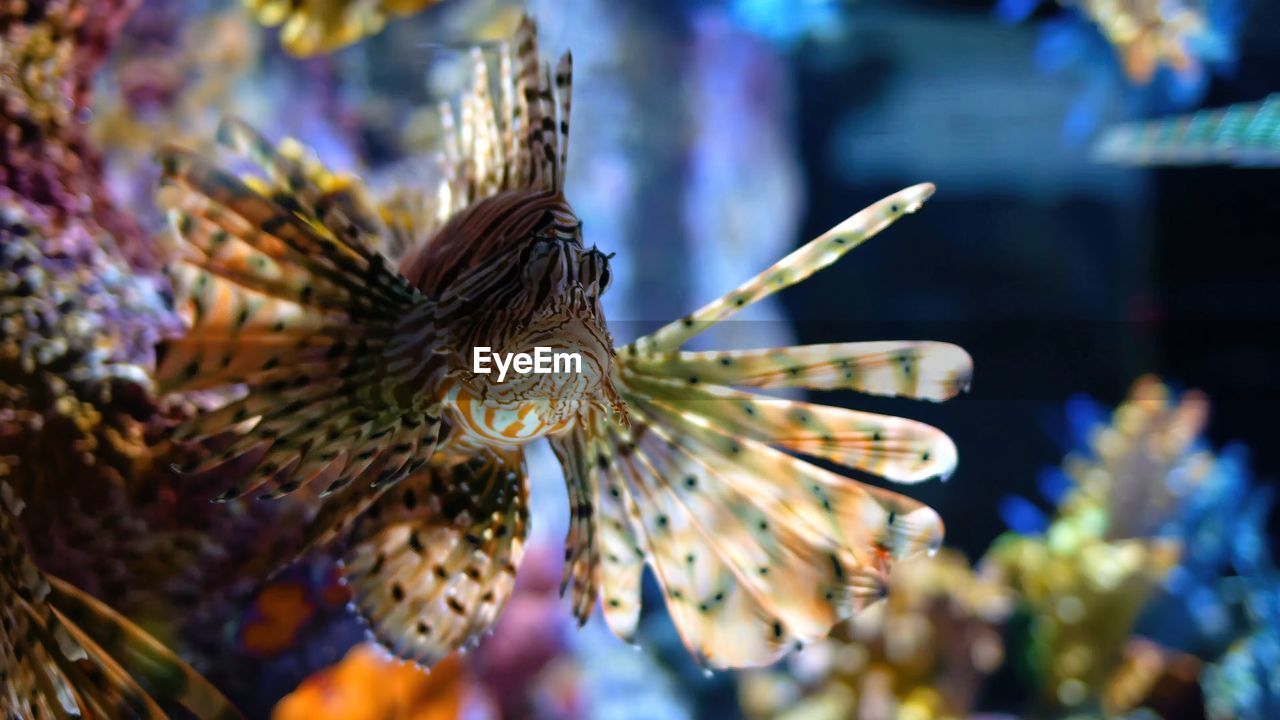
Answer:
(358, 392)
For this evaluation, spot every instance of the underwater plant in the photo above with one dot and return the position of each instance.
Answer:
(359, 387)
(1084, 579)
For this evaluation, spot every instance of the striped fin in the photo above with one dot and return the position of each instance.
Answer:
(921, 370)
(349, 501)
(581, 548)
(64, 654)
(1246, 135)
(72, 676)
(517, 144)
(286, 295)
(517, 140)
(812, 257)
(433, 562)
(158, 671)
(533, 91)
(338, 201)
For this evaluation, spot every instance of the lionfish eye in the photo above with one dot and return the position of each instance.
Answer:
(595, 270)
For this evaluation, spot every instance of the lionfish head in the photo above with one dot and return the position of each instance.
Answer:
(556, 314)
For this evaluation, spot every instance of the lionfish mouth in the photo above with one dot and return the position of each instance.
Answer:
(568, 370)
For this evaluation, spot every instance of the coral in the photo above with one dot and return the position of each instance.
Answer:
(403, 691)
(1157, 55)
(316, 26)
(1085, 580)
(89, 442)
(923, 653)
(48, 54)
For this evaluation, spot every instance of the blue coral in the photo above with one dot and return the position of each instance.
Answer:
(1071, 41)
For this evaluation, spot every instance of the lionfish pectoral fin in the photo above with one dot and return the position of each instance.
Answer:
(923, 370)
(897, 449)
(286, 294)
(758, 552)
(113, 642)
(815, 255)
(433, 561)
(581, 555)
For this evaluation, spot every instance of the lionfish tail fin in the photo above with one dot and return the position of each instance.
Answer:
(433, 562)
(286, 295)
(758, 550)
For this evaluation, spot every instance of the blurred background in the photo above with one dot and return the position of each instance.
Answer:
(712, 136)
(1067, 249)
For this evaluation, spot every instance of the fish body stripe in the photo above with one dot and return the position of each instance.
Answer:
(474, 238)
(479, 424)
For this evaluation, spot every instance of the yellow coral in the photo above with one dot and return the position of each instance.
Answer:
(316, 26)
(1148, 34)
(919, 654)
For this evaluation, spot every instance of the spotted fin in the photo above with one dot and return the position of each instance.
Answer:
(757, 550)
(921, 370)
(286, 295)
(894, 448)
(432, 563)
(799, 265)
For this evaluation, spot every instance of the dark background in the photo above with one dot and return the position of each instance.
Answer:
(1058, 275)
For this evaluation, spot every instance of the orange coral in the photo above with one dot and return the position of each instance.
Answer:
(367, 685)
